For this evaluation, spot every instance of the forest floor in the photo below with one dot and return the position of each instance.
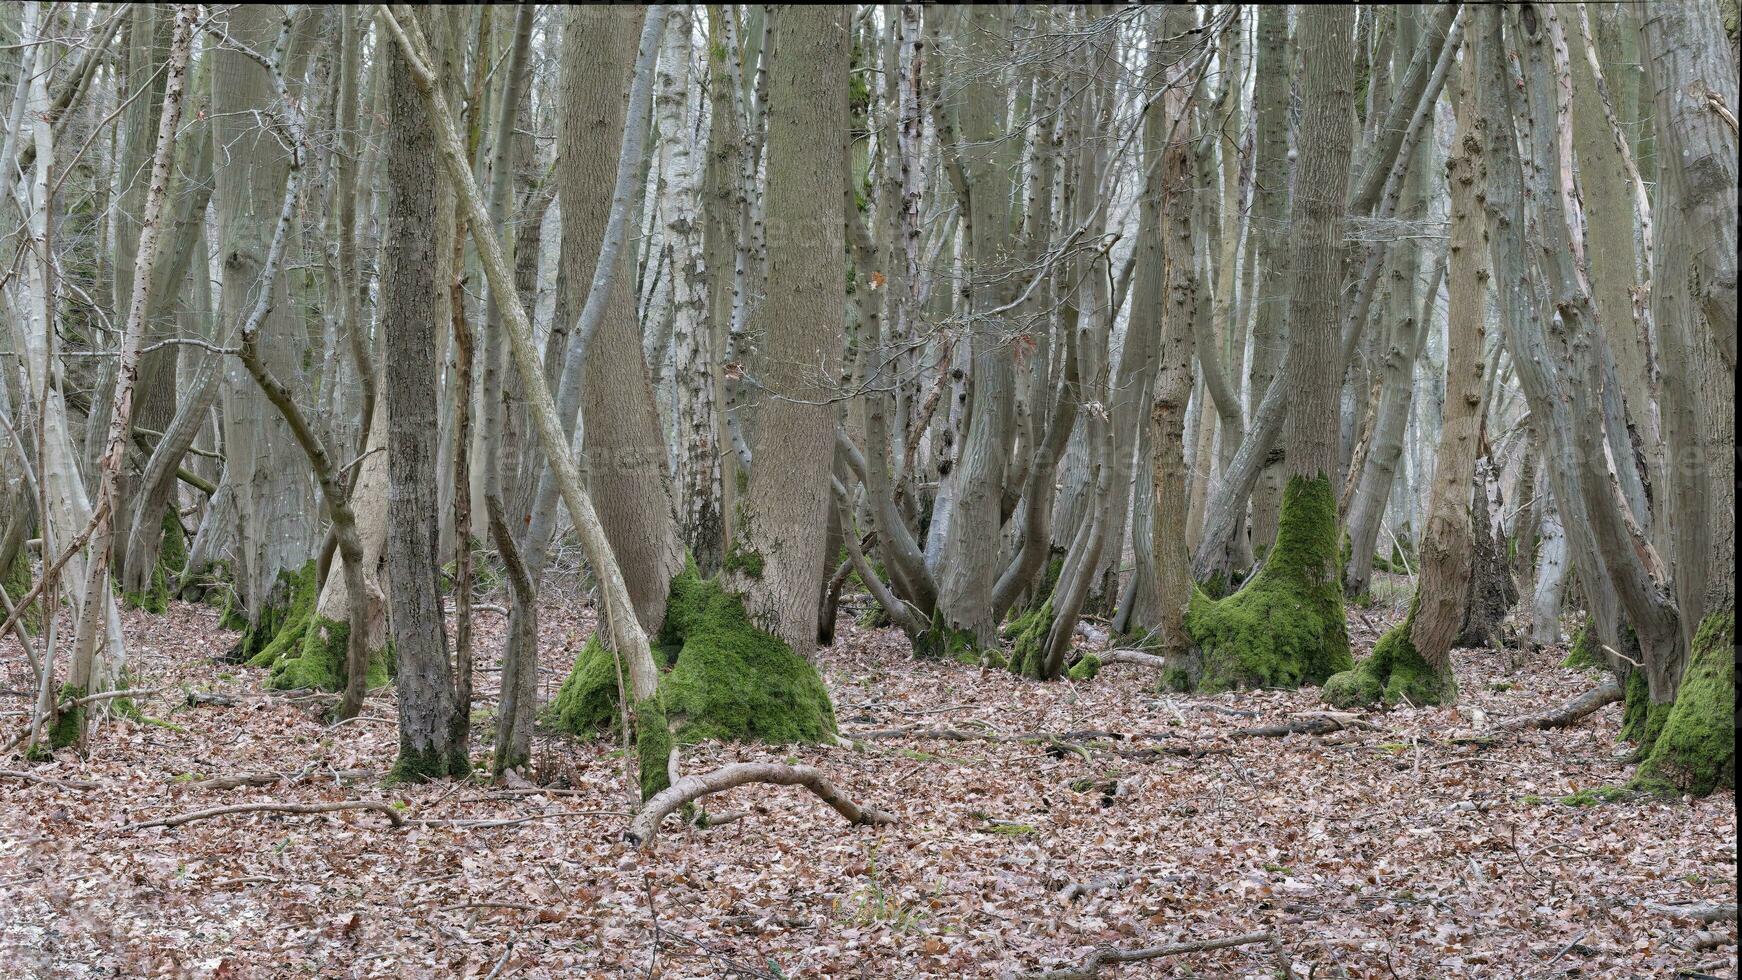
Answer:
(1388, 852)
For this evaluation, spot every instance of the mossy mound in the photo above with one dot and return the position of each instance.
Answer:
(319, 660)
(16, 582)
(1086, 668)
(1394, 673)
(1029, 632)
(1695, 749)
(1285, 626)
(727, 680)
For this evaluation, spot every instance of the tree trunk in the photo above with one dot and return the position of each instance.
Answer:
(1285, 626)
(777, 560)
(428, 746)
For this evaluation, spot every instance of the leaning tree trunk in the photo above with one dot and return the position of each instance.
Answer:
(1285, 626)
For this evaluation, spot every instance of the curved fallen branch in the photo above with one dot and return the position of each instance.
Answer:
(1605, 693)
(1137, 657)
(1104, 955)
(1697, 911)
(393, 816)
(691, 788)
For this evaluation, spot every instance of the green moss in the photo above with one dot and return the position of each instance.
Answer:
(944, 642)
(1086, 668)
(69, 723)
(652, 747)
(282, 621)
(1695, 751)
(1011, 829)
(1587, 652)
(416, 765)
(319, 660)
(1597, 795)
(16, 582)
(1285, 626)
(1029, 632)
(743, 560)
(1640, 719)
(731, 680)
(1394, 673)
(586, 704)
(728, 680)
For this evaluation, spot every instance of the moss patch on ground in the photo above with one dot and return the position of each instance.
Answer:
(723, 680)
(1695, 749)
(1285, 626)
(1587, 653)
(1394, 673)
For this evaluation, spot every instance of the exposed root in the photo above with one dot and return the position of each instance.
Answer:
(1317, 723)
(691, 788)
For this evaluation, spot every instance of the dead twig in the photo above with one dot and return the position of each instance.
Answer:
(31, 777)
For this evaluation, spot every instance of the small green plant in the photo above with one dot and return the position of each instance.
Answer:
(873, 903)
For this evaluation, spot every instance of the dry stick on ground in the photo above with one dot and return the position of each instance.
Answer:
(1104, 955)
(1698, 912)
(1318, 723)
(385, 809)
(32, 777)
(691, 788)
(1605, 693)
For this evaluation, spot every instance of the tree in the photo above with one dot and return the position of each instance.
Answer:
(1285, 626)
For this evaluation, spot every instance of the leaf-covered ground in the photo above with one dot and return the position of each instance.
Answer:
(1395, 852)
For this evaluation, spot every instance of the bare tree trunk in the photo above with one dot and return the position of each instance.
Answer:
(429, 745)
(777, 560)
(1242, 644)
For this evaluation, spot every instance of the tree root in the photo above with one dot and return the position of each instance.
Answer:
(31, 777)
(1697, 912)
(691, 788)
(387, 810)
(1104, 955)
(1605, 693)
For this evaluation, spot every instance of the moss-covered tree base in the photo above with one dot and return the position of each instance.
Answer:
(172, 557)
(723, 680)
(1028, 634)
(1086, 668)
(1587, 653)
(941, 641)
(423, 766)
(16, 583)
(1285, 626)
(286, 611)
(1394, 673)
(1695, 749)
(321, 648)
(1641, 721)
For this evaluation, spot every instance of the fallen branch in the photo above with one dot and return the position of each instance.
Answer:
(470, 823)
(1605, 693)
(1104, 955)
(393, 816)
(31, 777)
(691, 788)
(269, 778)
(1318, 723)
(1697, 912)
(1138, 657)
